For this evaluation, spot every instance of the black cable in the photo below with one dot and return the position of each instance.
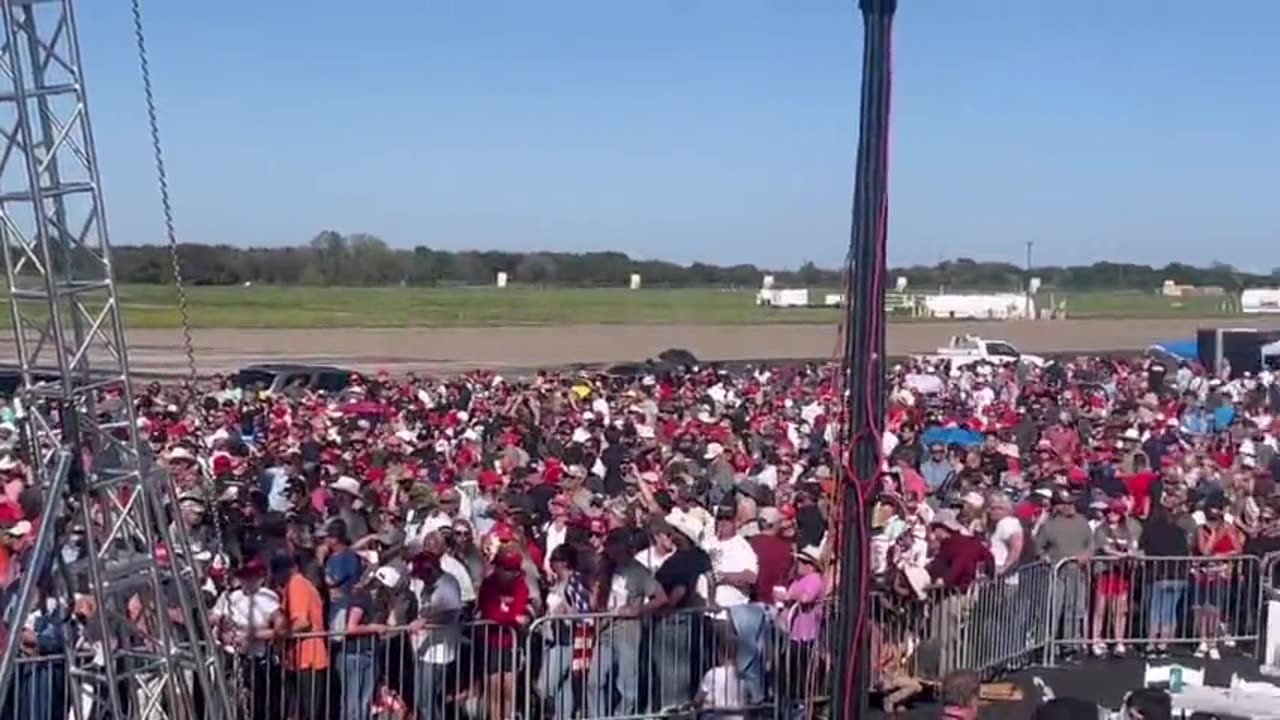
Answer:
(862, 367)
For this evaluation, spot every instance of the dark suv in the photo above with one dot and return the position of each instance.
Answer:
(275, 377)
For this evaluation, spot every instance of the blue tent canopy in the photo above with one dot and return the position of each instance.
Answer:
(950, 436)
(1185, 349)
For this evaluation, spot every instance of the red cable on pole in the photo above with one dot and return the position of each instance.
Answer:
(862, 369)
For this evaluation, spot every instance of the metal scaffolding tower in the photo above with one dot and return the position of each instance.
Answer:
(136, 609)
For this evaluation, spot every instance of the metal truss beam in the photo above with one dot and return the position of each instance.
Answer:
(81, 431)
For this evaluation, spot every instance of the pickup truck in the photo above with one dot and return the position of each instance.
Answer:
(964, 350)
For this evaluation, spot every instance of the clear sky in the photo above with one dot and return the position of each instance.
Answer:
(721, 130)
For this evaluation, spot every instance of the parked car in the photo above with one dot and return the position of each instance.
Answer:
(276, 377)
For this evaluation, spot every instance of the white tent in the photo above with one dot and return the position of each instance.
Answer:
(1271, 350)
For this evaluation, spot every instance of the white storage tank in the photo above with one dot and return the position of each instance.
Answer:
(1257, 301)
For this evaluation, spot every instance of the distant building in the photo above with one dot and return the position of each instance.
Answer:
(1173, 289)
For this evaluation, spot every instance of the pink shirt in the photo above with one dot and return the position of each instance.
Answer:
(319, 500)
(805, 613)
(913, 483)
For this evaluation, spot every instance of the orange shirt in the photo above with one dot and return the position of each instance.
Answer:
(303, 607)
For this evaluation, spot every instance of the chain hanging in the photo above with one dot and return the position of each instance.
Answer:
(166, 202)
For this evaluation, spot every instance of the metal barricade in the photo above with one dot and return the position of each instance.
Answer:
(751, 658)
(1268, 591)
(1112, 605)
(756, 659)
(452, 671)
(993, 626)
(41, 688)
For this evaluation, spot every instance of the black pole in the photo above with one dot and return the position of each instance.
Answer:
(863, 369)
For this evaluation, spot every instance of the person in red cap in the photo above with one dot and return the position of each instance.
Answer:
(503, 600)
(245, 620)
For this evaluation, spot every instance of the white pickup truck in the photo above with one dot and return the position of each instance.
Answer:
(967, 349)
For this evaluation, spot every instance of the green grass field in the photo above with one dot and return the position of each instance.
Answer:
(1139, 305)
(305, 307)
(457, 307)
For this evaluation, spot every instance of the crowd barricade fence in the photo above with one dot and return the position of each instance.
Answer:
(461, 670)
(611, 666)
(605, 666)
(1268, 590)
(1107, 606)
(617, 667)
(991, 626)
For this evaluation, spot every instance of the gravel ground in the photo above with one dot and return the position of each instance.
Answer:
(518, 348)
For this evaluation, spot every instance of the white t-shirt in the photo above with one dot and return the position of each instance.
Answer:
(721, 689)
(1002, 539)
(888, 443)
(731, 556)
(652, 559)
(555, 538)
(247, 613)
(438, 644)
(454, 568)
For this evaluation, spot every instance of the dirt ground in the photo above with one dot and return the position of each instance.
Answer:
(519, 348)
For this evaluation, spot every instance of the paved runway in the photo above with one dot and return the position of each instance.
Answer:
(159, 352)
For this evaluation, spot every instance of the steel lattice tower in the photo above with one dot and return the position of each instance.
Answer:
(97, 475)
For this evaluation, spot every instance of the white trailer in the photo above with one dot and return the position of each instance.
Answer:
(1258, 301)
(1003, 306)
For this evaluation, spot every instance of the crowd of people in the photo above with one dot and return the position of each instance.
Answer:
(1096, 507)
(579, 544)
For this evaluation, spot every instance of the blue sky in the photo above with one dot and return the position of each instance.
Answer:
(721, 130)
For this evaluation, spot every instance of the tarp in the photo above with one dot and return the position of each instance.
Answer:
(1271, 349)
(950, 436)
(1185, 349)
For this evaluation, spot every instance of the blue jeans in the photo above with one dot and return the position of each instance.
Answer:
(429, 689)
(615, 663)
(1162, 609)
(34, 691)
(751, 626)
(673, 645)
(554, 684)
(357, 685)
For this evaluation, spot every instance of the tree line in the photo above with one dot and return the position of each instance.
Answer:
(332, 258)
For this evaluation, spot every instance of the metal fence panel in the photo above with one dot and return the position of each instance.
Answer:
(754, 659)
(1114, 605)
(993, 626)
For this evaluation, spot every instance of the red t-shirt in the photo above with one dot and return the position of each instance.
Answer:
(774, 561)
(501, 602)
(1139, 486)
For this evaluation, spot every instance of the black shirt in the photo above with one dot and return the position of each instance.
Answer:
(811, 526)
(612, 458)
(994, 464)
(1162, 537)
(1155, 378)
(683, 570)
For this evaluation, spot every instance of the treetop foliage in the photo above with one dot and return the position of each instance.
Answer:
(362, 260)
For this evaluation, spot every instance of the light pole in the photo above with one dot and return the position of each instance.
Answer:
(1026, 286)
(863, 369)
